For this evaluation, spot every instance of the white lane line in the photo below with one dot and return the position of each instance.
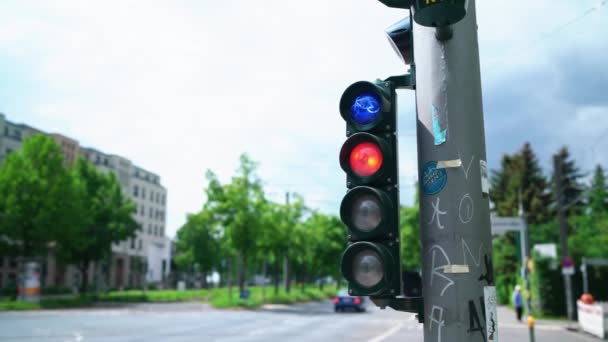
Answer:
(387, 334)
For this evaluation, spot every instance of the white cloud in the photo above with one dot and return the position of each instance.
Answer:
(183, 86)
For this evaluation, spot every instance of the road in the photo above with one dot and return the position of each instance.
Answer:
(312, 322)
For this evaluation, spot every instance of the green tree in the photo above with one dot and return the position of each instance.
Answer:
(198, 243)
(411, 245)
(572, 189)
(281, 238)
(318, 244)
(598, 194)
(105, 217)
(519, 178)
(589, 234)
(37, 197)
(238, 205)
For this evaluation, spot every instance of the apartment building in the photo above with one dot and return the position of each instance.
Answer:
(145, 258)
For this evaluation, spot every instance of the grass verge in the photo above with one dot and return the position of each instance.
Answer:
(218, 297)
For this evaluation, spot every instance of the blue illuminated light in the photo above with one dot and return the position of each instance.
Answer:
(366, 108)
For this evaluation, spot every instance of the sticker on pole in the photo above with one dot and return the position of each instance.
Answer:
(440, 124)
(433, 178)
(485, 184)
(489, 296)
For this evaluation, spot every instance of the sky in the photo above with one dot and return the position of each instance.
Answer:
(180, 87)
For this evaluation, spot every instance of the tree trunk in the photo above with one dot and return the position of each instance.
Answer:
(242, 272)
(264, 282)
(205, 285)
(276, 276)
(286, 274)
(230, 265)
(84, 282)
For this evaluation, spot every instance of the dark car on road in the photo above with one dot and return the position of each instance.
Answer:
(343, 302)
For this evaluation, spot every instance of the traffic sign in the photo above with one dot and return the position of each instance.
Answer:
(501, 225)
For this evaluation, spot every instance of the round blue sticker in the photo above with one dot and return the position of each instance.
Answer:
(433, 179)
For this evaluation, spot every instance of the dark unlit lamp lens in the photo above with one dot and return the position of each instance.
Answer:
(368, 270)
(366, 213)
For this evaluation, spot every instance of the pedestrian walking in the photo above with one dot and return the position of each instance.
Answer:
(518, 301)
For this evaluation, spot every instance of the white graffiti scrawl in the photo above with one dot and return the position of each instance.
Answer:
(438, 320)
(437, 213)
(439, 270)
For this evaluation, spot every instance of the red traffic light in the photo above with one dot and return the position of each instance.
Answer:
(365, 159)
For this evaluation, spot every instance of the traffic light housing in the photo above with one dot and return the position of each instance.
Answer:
(370, 209)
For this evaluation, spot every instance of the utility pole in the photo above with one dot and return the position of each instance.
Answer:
(525, 257)
(563, 233)
(457, 274)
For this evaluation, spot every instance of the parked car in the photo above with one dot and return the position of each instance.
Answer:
(343, 301)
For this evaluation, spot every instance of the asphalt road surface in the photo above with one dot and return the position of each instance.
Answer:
(312, 322)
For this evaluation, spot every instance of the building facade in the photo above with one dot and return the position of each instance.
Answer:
(146, 258)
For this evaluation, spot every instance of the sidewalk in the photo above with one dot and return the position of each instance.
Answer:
(507, 318)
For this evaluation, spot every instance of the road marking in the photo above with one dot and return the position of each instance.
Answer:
(77, 337)
(387, 334)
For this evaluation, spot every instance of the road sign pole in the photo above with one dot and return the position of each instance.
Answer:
(458, 279)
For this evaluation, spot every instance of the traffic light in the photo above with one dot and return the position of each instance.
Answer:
(370, 209)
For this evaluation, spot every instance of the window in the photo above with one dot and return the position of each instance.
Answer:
(162, 231)
(142, 210)
(105, 161)
(155, 230)
(139, 244)
(135, 191)
(132, 243)
(151, 195)
(8, 151)
(150, 212)
(163, 199)
(12, 263)
(150, 228)
(157, 197)
(143, 192)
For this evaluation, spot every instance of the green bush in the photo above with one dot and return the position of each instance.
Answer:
(56, 290)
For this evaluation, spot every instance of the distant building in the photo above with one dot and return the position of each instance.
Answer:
(145, 258)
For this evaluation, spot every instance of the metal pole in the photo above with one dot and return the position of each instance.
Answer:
(455, 216)
(563, 233)
(584, 274)
(526, 258)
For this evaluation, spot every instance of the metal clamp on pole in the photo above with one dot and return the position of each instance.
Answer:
(405, 304)
(407, 81)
